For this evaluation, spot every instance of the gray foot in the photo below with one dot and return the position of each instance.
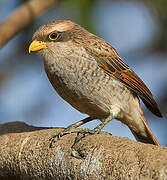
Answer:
(81, 133)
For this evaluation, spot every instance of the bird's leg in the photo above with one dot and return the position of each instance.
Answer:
(96, 130)
(71, 129)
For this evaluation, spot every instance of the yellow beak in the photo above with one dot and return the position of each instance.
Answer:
(37, 45)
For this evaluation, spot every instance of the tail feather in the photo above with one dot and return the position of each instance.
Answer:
(148, 137)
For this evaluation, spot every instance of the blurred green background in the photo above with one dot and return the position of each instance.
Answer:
(137, 29)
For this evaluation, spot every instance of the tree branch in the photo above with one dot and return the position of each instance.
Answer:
(25, 154)
(22, 17)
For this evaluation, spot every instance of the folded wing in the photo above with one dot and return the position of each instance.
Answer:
(115, 67)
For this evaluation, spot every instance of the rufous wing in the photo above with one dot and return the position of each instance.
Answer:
(115, 67)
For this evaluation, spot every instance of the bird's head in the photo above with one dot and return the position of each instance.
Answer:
(54, 36)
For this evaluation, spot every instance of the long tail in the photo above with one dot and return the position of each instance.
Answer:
(148, 137)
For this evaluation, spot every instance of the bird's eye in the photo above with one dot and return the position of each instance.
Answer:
(53, 36)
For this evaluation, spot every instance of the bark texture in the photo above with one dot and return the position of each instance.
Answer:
(22, 17)
(25, 154)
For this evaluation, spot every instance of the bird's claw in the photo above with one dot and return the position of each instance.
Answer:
(58, 135)
(81, 133)
(85, 132)
(54, 139)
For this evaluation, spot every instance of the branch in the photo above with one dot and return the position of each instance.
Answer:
(25, 154)
(22, 17)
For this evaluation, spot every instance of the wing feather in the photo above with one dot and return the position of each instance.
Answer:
(115, 67)
(109, 60)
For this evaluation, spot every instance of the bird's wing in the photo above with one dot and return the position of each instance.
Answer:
(115, 67)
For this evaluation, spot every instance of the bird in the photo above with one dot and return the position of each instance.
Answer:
(88, 73)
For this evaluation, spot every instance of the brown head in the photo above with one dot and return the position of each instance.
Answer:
(55, 33)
